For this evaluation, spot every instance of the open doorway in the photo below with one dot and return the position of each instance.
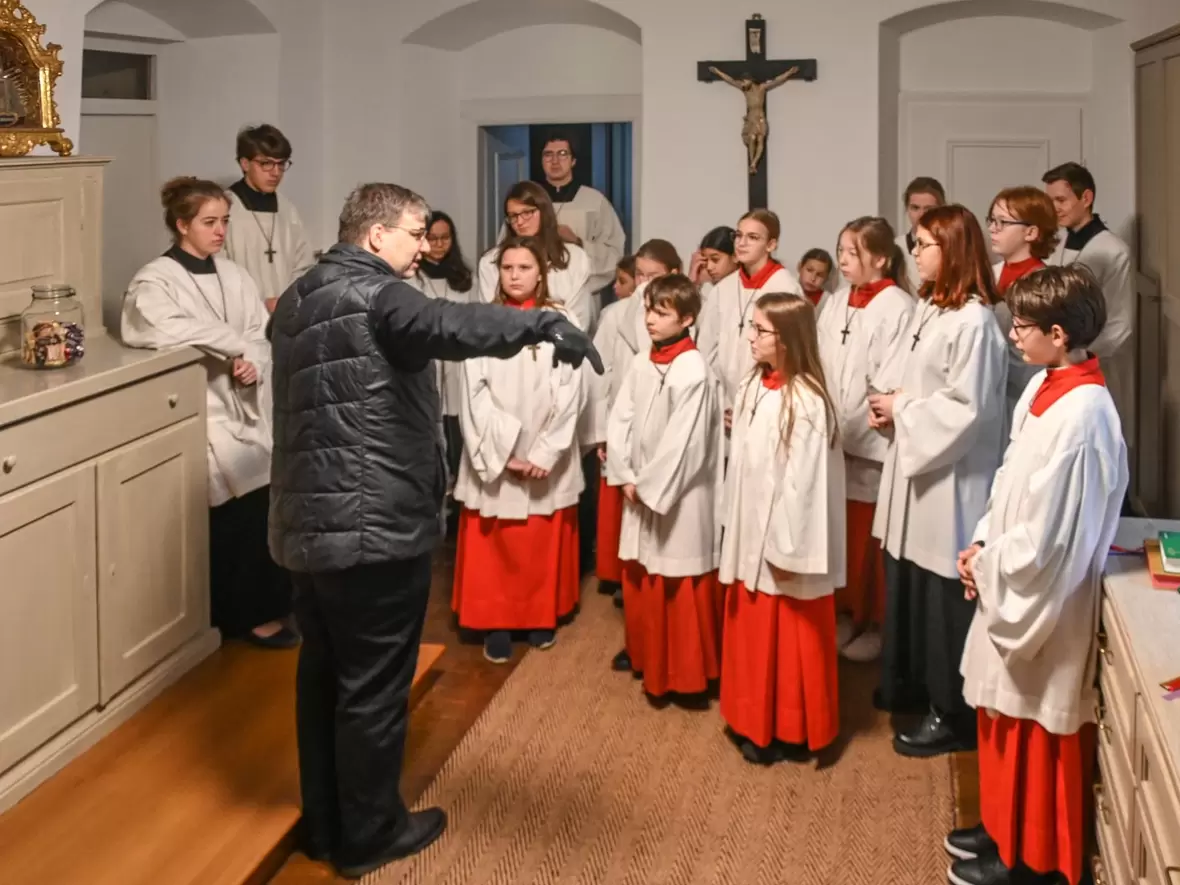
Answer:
(512, 153)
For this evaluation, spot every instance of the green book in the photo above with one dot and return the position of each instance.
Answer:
(1170, 552)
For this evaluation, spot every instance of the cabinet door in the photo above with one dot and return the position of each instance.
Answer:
(153, 552)
(48, 611)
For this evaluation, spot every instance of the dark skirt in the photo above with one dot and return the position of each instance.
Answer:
(246, 586)
(926, 623)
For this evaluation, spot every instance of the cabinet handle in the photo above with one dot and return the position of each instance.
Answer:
(9, 464)
(1099, 801)
(173, 399)
(1099, 869)
(1100, 716)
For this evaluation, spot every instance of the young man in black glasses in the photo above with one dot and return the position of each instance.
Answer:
(266, 235)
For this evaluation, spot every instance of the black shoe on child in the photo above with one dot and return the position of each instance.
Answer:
(969, 842)
(621, 663)
(543, 639)
(987, 869)
(497, 647)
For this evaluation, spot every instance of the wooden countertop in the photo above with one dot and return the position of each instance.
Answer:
(107, 364)
(1152, 620)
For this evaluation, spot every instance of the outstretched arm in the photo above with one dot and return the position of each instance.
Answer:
(781, 78)
(724, 76)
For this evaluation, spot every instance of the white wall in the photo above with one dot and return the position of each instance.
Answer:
(123, 20)
(571, 60)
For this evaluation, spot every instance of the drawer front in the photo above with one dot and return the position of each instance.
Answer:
(48, 443)
(1113, 802)
(1111, 866)
(1148, 866)
(1158, 797)
(1115, 671)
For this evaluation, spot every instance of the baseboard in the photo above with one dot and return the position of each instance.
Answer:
(53, 756)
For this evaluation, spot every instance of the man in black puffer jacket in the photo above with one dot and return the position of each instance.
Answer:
(357, 484)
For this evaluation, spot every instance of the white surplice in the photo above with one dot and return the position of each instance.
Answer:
(849, 361)
(617, 352)
(784, 501)
(947, 434)
(569, 287)
(1110, 260)
(723, 327)
(519, 407)
(1019, 372)
(665, 437)
(246, 244)
(166, 306)
(1032, 649)
(591, 216)
(450, 374)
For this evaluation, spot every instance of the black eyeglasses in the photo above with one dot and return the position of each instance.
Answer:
(267, 165)
(1001, 223)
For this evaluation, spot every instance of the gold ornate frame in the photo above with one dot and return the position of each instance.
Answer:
(37, 68)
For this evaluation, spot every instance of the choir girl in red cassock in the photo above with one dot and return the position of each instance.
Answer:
(1034, 571)
(516, 567)
(783, 550)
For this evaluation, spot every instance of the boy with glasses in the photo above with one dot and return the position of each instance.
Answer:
(266, 235)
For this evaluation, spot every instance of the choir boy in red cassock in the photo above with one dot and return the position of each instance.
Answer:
(1035, 573)
(516, 566)
(664, 442)
(783, 553)
(1023, 227)
(864, 321)
(815, 269)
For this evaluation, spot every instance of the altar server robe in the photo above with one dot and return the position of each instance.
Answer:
(947, 433)
(722, 335)
(591, 216)
(450, 374)
(1031, 652)
(1019, 372)
(873, 332)
(519, 407)
(246, 244)
(617, 351)
(665, 437)
(166, 306)
(1110, 260)
(569, 287)
(784, 501)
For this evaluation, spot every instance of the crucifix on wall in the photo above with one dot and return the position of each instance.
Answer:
(756, 76)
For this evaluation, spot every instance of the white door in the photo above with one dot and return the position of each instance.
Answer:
(502, 166)
(133, 226)
(977, 145)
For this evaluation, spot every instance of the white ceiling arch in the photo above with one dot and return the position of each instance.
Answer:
(202, 18)
(1047, 10)
(476, 21)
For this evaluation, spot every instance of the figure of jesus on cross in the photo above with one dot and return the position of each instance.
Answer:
(754, 127)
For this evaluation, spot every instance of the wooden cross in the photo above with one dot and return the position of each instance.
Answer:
(844, 333)
(270, 253)
(756, 76)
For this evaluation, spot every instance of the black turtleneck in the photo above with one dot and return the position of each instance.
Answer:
(1076, 240)
(255, 201)
(191, 262)
(563, 193)
(675, 339)
(432, 269)
(910, 242)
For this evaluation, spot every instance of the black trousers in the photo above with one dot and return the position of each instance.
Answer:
(246, 587)
(926, 623)
(361, 628)
(588, 514)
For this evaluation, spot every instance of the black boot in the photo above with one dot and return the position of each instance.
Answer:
(422, 828)
(987, 869)
(969, 842)
(934, 735)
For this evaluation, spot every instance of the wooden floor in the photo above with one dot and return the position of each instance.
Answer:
(201, 787)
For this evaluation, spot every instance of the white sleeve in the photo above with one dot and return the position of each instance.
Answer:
(304, 258)
(557, 436)
(489, 433)
(858, 438)
(152, 318)
(604, 243)
(683, 449)
(797, 539)
(1117, 280)
(619, 428)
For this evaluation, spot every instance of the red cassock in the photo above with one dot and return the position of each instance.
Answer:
(516, 574)
(1034, 792)
(864, 595)
(673, 628)
(778, 671)
(610, 524)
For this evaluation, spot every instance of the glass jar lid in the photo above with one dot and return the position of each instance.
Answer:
(53, 290)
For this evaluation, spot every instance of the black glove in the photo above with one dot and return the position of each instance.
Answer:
(570, 344)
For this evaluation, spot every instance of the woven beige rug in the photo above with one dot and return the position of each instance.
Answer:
(570, 776)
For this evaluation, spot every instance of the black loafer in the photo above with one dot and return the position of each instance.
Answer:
(969, 842)
(422, 829)
(987, 869)
(934, 736)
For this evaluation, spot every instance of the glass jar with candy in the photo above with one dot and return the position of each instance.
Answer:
(53, 333)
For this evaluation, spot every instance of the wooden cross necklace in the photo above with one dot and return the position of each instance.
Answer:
(270, 249)
(925, 318)
(849, 313)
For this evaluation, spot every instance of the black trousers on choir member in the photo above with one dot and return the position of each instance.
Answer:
(361, 628)
(453, 439)
(588, 514)
(926, 623)
(246, 587)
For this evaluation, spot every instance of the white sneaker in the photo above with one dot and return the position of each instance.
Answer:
(845, 630)
(864, 648)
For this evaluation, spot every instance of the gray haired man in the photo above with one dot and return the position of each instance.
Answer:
(357, 484)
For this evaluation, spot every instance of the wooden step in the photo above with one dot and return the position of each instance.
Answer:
(201, 787)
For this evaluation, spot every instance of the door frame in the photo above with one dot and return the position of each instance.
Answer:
(476, 113)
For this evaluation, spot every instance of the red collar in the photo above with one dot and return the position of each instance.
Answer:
(664, 353)
(1013, 271)
(1059, 382)
(762, 277)
(814, 296)
(772, 379)
(860, 296)
(527, 304)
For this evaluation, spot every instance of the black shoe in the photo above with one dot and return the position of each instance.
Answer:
(608, 588)
(285, 638)
(986, 869)
(497, 647)
(969, 842)
(543, 639)
(422, 828)
(757, 755)
(619, 598)
(934, 736)
(621, 663)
